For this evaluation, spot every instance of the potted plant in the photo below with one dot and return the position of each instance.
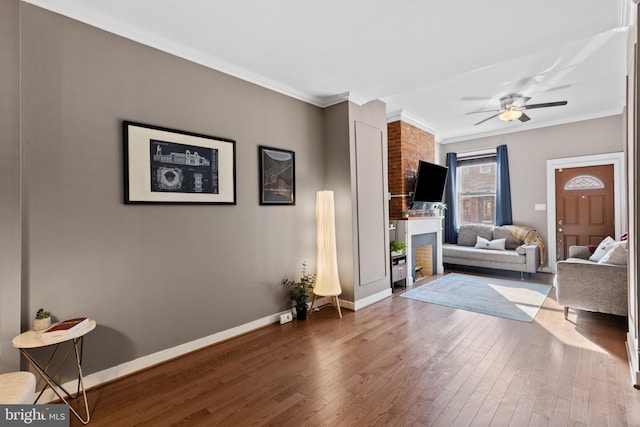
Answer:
(42, 320)
(405, 213)
(396, 247)
(440, 207)
(300, 291)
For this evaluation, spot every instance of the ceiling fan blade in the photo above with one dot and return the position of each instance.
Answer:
(483, 111)
(544, 105)
(524, 118)
(488, 118)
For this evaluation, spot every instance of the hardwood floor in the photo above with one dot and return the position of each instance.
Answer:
(398, 362)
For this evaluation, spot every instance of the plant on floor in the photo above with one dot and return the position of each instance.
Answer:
(300, 291)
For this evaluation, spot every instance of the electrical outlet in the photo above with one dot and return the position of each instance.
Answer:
(285, 318)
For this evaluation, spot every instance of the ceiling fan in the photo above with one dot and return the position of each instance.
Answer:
(512, 107)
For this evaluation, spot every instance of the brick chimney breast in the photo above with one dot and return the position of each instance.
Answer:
(407, 145)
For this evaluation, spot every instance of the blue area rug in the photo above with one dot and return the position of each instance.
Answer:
(511, 299)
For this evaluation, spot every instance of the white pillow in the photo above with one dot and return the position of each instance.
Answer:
(617, 255)
(602, 249)
(497, 244)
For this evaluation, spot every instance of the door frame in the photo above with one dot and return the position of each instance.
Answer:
(619, 193)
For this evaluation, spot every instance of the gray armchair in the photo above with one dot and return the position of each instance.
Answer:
(587, 285)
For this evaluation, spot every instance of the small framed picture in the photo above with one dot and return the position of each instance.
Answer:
(277, 176)
(164, 165)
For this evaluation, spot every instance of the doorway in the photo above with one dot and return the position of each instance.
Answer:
(619, 196)
(584, 206)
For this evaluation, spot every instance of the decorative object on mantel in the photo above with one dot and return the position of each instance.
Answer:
(300, 291)
(327, 280)
(396, 247)
(42, 320)
(440, 207)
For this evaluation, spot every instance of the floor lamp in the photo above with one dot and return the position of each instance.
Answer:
(327, 281)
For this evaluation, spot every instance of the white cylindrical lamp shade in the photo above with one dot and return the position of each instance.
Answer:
(327, 281)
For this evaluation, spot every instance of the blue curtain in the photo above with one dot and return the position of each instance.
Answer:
(503, 187)
(450, 223)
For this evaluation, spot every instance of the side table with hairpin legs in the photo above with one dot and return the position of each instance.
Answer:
(31, 340)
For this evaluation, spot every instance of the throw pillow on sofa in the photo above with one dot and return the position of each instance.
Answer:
(512, 242)
(617, 255)
(468, 232)
(602, 249)
(496, 245)
(605, 246)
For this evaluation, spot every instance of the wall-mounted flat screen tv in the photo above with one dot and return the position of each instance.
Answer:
(430, 182)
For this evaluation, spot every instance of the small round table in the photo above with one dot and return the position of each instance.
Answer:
(32, 339)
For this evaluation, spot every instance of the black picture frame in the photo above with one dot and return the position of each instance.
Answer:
(277, 176)
(170, 166)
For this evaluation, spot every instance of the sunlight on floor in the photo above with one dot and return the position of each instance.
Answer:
(568, 331)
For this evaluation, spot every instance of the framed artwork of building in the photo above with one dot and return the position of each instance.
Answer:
(164, 165)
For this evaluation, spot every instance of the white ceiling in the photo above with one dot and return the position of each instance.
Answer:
(431, 61)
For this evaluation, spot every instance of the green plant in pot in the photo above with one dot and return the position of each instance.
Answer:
(396, 247)
(300, 291)
(42, 320)
(440, 207)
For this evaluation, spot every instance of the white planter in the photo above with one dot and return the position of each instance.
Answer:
(41, 324)
(396, 253)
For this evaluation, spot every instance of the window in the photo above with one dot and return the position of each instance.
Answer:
(476, 192)
(584, 182)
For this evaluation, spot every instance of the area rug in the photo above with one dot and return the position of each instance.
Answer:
(511, 299)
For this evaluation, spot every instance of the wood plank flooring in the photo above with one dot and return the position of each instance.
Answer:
(398, 362)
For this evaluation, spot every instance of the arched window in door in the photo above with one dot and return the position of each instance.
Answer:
(584, 182)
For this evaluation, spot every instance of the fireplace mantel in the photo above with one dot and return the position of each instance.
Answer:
(416, 226)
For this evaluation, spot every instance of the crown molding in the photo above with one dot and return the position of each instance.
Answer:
(78, 12)
(413, 120)
(344, 96)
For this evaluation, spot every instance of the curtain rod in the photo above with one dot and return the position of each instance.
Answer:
(478, 152)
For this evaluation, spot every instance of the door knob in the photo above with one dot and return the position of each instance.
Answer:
(560, 222)
(560, 230)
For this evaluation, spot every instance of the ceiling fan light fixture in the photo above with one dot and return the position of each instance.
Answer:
(510, 115)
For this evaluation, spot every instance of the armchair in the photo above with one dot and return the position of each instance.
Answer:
(589, 285)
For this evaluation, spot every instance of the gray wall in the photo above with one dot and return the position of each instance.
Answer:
(10, 290)
(530, 150)
(358, 223)
(338, 178)
(152, 276)
(369, 183)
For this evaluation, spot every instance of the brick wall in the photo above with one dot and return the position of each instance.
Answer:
(407, 145)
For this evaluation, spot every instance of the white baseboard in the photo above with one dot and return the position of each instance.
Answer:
(358, 305)
(365, 302)
(127, 368)
(632, 354)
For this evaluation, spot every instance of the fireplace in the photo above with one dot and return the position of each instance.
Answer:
(423, 257)
(419, 234)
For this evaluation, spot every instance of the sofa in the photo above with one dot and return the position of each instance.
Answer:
(498, 247)
(587, 281)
